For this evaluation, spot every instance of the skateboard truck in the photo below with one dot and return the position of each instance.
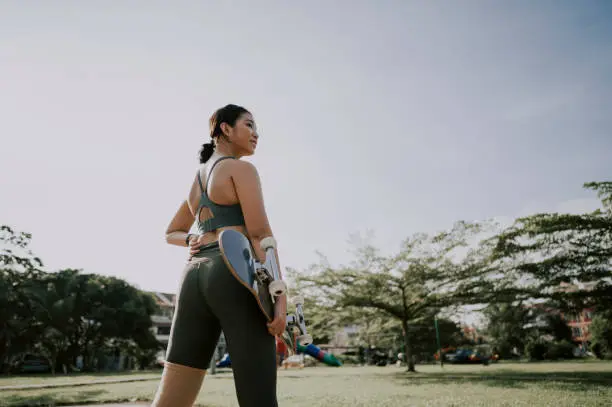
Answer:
(277, 286)
(298, 322)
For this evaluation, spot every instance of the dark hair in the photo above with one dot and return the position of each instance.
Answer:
(227, 114)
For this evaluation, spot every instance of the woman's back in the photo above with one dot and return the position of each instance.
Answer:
(213, 199)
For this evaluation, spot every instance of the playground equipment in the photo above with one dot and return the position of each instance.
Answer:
(311, 350)
(317, 353)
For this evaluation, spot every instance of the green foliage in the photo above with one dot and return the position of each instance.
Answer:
(541, 252)
(424, 336)
(540, 331)
(604, 192)
(410, 287)
(88, 310)
(556, 326)
(560, 350)
(67, 313)
(322, 318)
(536, 349)
(508, 327)
(19, 274)
(14, 252)
(601, 335)
(539, 349)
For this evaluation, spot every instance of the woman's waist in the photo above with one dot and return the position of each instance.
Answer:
(208, 249)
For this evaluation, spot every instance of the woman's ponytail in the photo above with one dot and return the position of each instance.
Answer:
(206, 152)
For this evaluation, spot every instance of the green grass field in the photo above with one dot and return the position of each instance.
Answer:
(516, 384)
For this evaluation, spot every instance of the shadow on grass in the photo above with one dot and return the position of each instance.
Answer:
(51, 399)
(109, 374)
(573, 381)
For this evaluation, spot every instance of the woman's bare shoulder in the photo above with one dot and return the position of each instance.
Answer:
(243, 168)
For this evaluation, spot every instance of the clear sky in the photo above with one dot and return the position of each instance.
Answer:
(395, 116)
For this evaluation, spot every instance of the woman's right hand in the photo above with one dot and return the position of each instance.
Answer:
(277, 326)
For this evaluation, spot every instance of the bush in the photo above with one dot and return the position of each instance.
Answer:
(536, 349)
(601, 335)
(504, 350)
(601, 351)
(560, 350)
(598, 349)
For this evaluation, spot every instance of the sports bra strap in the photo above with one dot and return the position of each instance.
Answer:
(205, 191)
(200, 182)
(222, 215)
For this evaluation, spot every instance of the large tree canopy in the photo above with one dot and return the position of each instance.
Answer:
(563, 257)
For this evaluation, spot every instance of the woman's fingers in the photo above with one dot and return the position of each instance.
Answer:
(277, 326)
(194, 246)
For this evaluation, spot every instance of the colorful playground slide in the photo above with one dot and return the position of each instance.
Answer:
(311, 350)
(318, 354)
(225, 361)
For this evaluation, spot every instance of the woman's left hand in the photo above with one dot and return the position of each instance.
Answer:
(194, 245)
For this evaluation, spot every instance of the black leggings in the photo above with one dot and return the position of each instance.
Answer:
(210, 299)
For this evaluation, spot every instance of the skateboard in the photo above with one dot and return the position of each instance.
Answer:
(263, 281)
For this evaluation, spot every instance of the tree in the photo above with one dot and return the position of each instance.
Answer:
(90, 312)
(556, 327)
(601, 335)
(322, 318)
(563, 257)
(424, 277)
(19, 272)
(425, 339)
(508, 327)
(67, 313)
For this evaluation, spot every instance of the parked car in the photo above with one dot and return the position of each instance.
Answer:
(29, 363)
(467, 355)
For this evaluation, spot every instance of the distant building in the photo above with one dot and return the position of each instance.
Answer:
(580, 321)
(163, 320)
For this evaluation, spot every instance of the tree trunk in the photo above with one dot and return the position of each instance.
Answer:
(3, 355)
(51, 359)
(407, 347)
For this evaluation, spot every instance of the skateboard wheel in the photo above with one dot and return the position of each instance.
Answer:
(267, 243)
(305, 339)
(297, 300)
(277, 288)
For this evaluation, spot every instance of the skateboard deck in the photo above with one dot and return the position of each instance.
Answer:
(238, 256)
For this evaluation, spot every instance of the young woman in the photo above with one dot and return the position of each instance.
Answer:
(225, 194)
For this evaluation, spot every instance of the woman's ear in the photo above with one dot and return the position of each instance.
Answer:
(226, 129)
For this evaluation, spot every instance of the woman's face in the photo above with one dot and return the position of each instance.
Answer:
(244, 135)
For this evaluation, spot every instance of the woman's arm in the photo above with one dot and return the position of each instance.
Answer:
(248, 188)
(178, 229)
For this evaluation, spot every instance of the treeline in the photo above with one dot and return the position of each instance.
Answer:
(67, 314)
(504, 271)
(500, 270)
